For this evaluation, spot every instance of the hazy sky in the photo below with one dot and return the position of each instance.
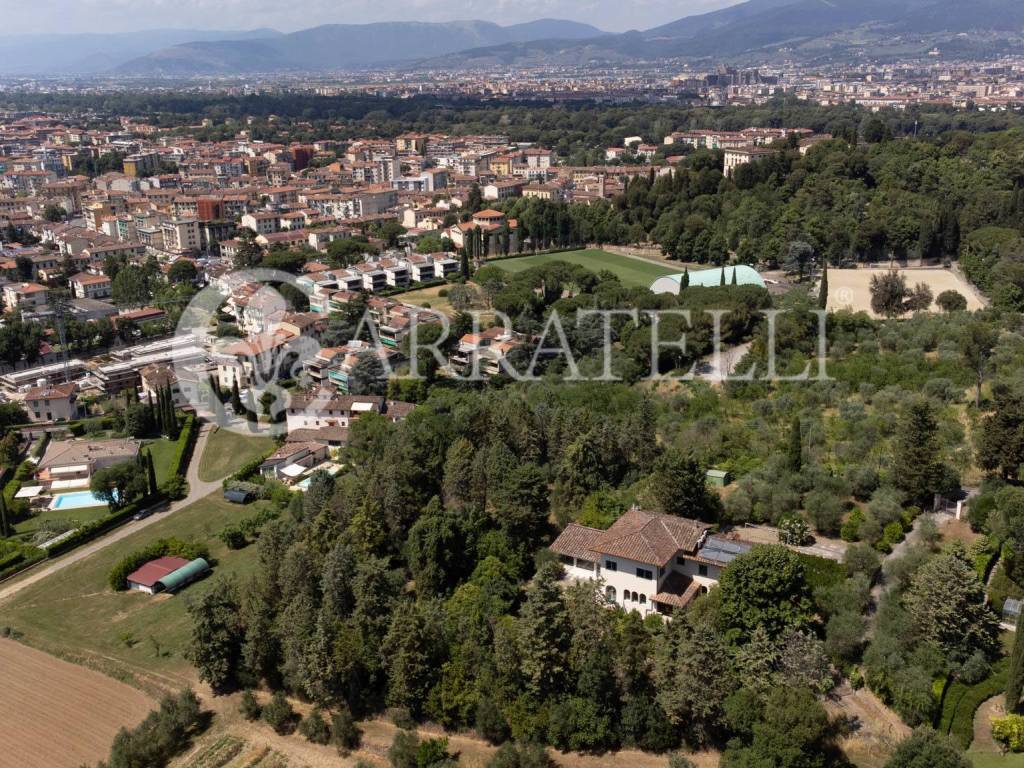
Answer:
(289, 15)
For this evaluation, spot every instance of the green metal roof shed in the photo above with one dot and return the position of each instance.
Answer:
(175, 580)
(709, 278)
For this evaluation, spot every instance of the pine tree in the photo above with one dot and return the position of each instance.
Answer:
(794, 453)
(823, 289)
(151, 472)
(1015, 678)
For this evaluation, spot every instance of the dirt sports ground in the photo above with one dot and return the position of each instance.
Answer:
(851, 288)
(54, 714)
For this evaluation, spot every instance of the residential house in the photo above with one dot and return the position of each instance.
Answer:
(647, 562)
(52, 402)
(70, 463)
(86, 286)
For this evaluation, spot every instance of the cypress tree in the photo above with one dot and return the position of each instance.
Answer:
(1015, 678)
(158, 413)
(823, 289)
(5, 527)
(794, 452)
(721, 280)
(236, 398)
(734, 276)
(151, 472)
(172, 417)
(686, 277)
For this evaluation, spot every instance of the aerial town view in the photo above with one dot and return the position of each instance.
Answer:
(512, 385)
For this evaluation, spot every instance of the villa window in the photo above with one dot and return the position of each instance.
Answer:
(702, 570)
(643, 599)
(609, 594)
(611, 565)
(643, 573)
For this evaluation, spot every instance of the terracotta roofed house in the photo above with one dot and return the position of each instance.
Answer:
(647, 562)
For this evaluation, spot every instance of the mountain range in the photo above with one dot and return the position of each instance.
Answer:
(801, 29)
(94, 53)
(346, 46)
(756, 30)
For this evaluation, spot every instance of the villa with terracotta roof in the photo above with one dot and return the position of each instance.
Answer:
(647, 562)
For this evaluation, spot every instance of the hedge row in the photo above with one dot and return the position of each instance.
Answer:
(246, 471)
(170, 547)
(186, 443)
(90, 531)
(21, 562)
(961, 702)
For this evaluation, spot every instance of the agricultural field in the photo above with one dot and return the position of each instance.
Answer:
(59, 715)
(226, 451)
(131, 636)
(637, 273)
(851, 288)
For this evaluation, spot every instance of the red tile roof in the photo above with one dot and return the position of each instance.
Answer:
(154, 570)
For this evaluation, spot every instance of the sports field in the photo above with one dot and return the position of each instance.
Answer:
(636, 273)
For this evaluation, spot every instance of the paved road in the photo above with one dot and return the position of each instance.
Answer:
(197, 489)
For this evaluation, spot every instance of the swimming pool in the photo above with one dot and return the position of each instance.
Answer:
(76, 500)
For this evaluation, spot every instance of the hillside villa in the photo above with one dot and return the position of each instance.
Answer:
(647, 562)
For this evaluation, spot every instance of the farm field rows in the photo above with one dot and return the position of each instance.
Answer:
(632, 272)
(55, 714)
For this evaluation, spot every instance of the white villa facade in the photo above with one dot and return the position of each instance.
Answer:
(647, 562)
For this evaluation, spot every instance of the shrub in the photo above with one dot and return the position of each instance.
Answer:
(279, 715)
(403, 750)
(164, 733)
(174, 488)
(346, 734)
(315, 728)
(250, 707)
(1010, 731)
(850, 530)
(232, 537)
(794, 531)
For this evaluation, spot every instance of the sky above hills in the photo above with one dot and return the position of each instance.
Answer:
(75, 16)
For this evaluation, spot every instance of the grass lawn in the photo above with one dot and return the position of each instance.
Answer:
(992, 760)
(632, 272)
(163, 454)
(428, 297)
(77, 516)
(226, 451)
(129, 635)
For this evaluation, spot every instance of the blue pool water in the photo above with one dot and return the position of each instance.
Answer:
(76, 500)
(304, 484)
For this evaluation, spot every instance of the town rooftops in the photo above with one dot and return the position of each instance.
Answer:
(645, 537)
(51, 391)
